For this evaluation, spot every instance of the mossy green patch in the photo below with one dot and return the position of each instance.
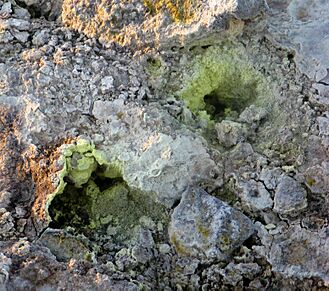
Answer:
(221, 81)
(180, 249)
(225, 242)
(203, 230)
(70, 206)
(227, 193)
(310, 181)
(121, 207)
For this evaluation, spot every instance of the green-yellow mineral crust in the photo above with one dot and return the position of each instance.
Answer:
(91, 193)
(225, 74)
(80, 160)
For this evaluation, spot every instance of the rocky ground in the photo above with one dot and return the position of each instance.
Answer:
(164, 145)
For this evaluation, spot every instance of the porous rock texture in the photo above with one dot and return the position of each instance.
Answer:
(164, 145)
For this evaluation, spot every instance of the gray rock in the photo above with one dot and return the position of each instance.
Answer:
(229, 133)
(6, 37)
(6, 223)
(5, 197)
(246, 8)
(230, 276)
(19, 24)
(123, 285)
(32, 2)
(106, 84)
(241, 152)
(301, 253)
(188, 265)
(5, 264)
(252, 114)
(254, 195)
(51, 9)
(323, 97)
(22, 13)
(263, 234)
(65, 246)
(164, 248)
(270, 177)
(317, 178)
(21, 36)
(141, 254)
(125, 260)
(41, 37)
(143, 244)
(290, 196)
(308, 25)
(143, 237)
(323, 123)
(157, 163)
(204, 227)
(6, 8)
(63, 93)
(233, 273)
(248, 270)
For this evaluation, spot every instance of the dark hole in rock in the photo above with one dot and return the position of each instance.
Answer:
(107, 206)
(176, 203)
(214, 106)
(102, 182)
(50, 10)
(34, 10)
(221, 84)
(250, 242)
(230, 101)
(290, 56)
(69, 208)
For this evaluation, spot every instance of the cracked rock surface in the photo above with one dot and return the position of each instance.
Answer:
(164, 145)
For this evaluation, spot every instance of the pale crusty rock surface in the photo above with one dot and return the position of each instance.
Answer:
(102, 131)
(297, 252)
(301, 24)
(153, 159)
(303, 27)
(136, 25)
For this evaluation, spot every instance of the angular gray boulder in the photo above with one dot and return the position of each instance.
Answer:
(207, 228)
(290, 196)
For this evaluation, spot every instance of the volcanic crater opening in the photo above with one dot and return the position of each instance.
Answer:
(230, 101)
(96, 199)
(221, 83)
